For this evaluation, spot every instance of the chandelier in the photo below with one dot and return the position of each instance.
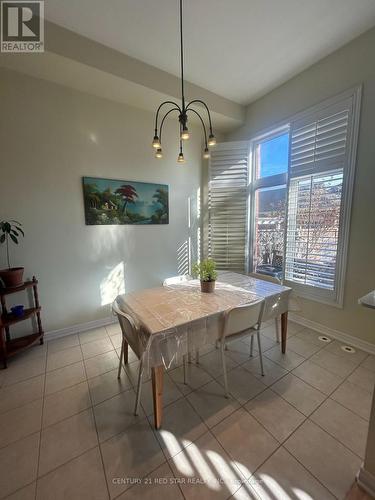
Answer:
(183, 111)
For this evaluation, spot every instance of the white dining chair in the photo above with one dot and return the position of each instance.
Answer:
(130, 337)
(276, 281)
(237, 322)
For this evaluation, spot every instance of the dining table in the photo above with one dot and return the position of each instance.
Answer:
(177, 319)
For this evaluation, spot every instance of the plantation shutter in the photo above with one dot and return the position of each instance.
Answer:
(318, 141)
(227, 205)
(320, 146)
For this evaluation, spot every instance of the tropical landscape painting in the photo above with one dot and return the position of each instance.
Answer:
(109, 201)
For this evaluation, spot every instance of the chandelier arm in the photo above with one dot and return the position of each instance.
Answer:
(203, 125)
(205, 105)
(158, 110)
(164, 117)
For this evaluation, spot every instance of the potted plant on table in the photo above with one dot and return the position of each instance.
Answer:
(206, 272)
(11, 231)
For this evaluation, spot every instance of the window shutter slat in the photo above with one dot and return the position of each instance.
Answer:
(319, 141)
(227, 205)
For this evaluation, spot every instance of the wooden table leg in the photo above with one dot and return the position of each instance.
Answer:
(157, 394)
(284, 331)
(3, 348)
(126, 352)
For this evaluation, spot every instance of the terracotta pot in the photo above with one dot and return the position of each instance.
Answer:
(208, 286)
(12, 277)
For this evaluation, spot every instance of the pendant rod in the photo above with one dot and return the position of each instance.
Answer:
(182, 61)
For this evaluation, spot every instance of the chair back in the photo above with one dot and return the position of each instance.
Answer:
(242, 318)
(129, 330)
(177, 279)
(266, 277)
(294, 301)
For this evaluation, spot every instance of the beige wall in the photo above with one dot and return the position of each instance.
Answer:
(349, 66)
(51, 136)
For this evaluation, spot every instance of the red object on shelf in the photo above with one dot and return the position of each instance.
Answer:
(9, 346)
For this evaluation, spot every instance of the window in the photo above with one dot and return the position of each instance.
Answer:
(268, 202)
(321, 172)
(286, 212)
(228, 205)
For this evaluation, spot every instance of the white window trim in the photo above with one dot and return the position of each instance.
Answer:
(309, 292)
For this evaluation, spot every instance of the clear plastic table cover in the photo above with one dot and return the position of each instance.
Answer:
(177, 319)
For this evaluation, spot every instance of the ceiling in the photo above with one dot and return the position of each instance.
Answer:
(238, 49)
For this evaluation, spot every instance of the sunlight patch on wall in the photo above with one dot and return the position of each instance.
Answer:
(93, 138)
(183, 261)
(112, 285)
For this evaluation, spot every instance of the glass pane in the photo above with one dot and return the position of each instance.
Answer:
(272, 156)
(269, 230)
(313, 229)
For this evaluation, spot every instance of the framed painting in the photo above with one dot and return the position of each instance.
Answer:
(110, 201)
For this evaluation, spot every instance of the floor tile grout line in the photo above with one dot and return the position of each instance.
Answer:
(96, 430)
(330, 371)
(20, 489)
(239, 473)
(209, 431)
(148, 473)
(65, 463)
(348, 409)
(306, 358)
(214, 378)
(79, 412)
(135, 485)
(308, 419)
(41, 428)
(170, 458)
(281, 445)
(270, 386)
(334, 437)
(59, 368)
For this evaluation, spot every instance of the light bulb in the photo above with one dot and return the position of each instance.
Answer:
(156, 142)
(159, 153)
(185, 134)
(206, 154)
(211, 140)
(181, 158)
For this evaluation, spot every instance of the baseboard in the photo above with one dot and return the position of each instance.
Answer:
(336, 334)
(82, 327)
(366, 481)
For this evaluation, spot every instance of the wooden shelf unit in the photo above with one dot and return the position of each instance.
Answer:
(8, 346)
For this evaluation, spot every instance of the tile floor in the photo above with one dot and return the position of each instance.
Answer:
(67, 428)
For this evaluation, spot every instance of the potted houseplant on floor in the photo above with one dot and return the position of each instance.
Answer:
(10, 232)
(206, 272)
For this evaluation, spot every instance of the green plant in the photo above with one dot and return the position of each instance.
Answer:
(205, 270)
(11, 230)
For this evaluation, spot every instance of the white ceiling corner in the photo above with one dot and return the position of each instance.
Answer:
(238, 49)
